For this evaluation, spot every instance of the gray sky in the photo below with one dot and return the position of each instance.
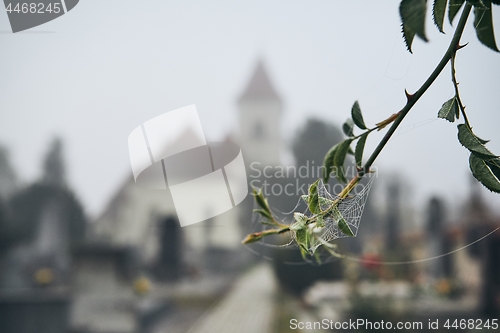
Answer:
(93, 75)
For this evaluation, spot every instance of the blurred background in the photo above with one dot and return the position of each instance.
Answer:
(84, 250)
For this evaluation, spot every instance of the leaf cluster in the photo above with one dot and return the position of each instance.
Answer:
(335, 157)
(308, 229)
(484, 165)
(413, 12)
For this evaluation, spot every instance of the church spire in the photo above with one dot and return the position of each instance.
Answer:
(260, 86)
(260, 119)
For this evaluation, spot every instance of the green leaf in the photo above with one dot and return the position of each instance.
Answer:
(453, 8)
(330, 248)
(328, 163)
(300, 219)
(301, 237)
(341, 222)
(472, 142)
(357, 116)
(320, 222)
(313, 198)
(317, 257)
(412, 14)
(408, 37)
(360, 147)
(494, 166)
(309, 239)
(483, 173)
(350, 151)
(481, 140)
(449, 110)
(344, 227)
(303, 253)
(348, 127)
(263, 213)
(261, 200)
(305, 197)
(324, 202)
(438, 13)
(339, 159)
(483, 22)
(297, 226)
(478, 3)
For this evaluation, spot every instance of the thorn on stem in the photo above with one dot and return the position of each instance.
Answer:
(461, 46)
(408, 95)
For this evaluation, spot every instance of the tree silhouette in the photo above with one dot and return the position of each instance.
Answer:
(313, 141)
(8, 179)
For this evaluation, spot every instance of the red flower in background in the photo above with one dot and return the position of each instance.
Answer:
(371, 261)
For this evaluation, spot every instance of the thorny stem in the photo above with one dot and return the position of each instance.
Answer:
(412, 99)
(457, 93)
(395, 119)
(352, 184)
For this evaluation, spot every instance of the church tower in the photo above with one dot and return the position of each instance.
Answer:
(260, 110)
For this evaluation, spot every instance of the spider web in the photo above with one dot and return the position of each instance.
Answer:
(350, 209)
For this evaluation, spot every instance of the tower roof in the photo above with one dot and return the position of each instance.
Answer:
(260, 86)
